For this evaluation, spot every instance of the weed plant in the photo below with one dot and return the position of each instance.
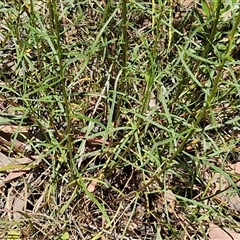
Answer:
(135, 109)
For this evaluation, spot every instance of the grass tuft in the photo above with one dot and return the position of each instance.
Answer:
(119, 120)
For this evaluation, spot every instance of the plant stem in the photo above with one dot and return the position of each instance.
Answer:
(123, 83)
(202, 113)
(206, 50)
(56, 27)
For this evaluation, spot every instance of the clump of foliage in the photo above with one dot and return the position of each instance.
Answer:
(132, 108)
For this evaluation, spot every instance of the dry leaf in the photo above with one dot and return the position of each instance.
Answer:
(23, 160)
(13, 175)
(217, 233)
(17, 170)
(227, 15)
(13, 129)
(186, 3)
(220, 182)
(152, 103)
(18, 206)
(237, 168)
(4, 161)
(15, 144)
(14, 165)
(171, 199)
(94, 140)
(170, 196)
(91, 187)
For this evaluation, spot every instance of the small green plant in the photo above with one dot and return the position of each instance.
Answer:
(132, 113)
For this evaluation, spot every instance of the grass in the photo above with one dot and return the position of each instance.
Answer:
(132, 109)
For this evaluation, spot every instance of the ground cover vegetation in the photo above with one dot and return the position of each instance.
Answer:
(119, 119)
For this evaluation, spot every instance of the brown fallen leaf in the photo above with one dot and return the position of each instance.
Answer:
(14, 165)
(217, 233)
(19, 205)
(187, 3)
(15, 144)
(13, 129)
(12, 176)
(91, 187)
(171, 199)
(237, 168)
(227, 15)
(4, 161)
(25, 160)
(94, 140)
